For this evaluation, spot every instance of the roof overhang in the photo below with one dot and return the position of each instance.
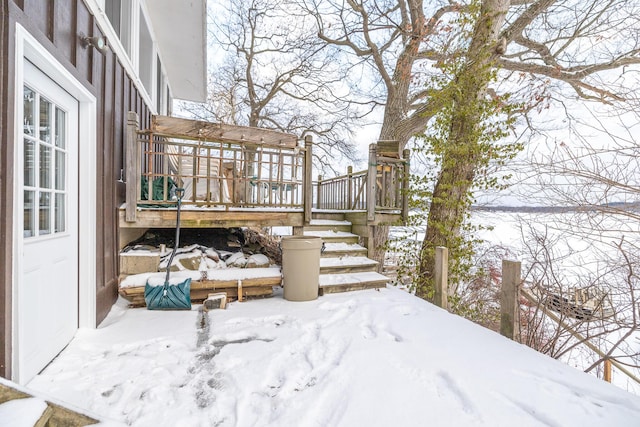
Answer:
(181, 33)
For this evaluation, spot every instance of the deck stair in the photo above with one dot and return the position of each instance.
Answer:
(344, 265)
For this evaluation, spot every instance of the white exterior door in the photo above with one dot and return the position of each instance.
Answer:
(46, 285)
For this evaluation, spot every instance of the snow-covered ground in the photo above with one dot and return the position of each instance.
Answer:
(367, 358)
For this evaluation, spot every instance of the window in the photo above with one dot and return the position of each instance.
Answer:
(131, 24)
(45, 162)
(146, 56)
(159, 83)
(120, 17)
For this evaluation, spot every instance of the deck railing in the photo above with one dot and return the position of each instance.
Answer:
(347, 192)
(223, 166)
(382, 188)
(215, 167)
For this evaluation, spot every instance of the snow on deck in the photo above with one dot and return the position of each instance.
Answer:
(22, 412)
(347, 278)
(340, 246)
(157, 279)
(328, 222)
(346, 261)
(328, 362)
(329, 234)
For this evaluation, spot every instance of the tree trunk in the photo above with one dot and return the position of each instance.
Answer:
(446, 215)
(462, 154)
(449, 205)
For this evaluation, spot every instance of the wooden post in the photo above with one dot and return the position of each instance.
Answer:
(371, 183)
(132, 167)
(441, 275)
(406, 155)
(349, 204)
(240, 296)
(319, 193)
(607, 370)
(308, 183)
(509, 296)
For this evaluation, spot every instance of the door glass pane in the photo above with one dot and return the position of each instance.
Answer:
(60, 128)
(45, 213)
(29, 125)
(45, 159)
(45, 166)
(29, 214)
(60, 169)
(45, 120)
(60, 212)
(29, 163)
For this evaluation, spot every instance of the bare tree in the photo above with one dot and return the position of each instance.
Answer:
(271, 71)
(426, 57)
(586, 298)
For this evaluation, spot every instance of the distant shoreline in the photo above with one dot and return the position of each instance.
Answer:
(558, 209)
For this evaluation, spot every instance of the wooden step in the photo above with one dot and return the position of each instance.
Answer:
(342, 249)
(327, 215)
(346, 282)
(328, 224)
(346, 264)
(329, 236)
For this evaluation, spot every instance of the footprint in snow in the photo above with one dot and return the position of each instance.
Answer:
(447, 384)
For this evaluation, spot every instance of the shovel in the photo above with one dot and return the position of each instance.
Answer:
(167, 296)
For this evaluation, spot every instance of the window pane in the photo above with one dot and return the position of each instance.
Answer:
(125, 25)
(45, 213)
(112, 9)
(29, 125)
(61, 135)
(60, 169)
(29, 214)
(29, 163)
(45, 120)
(145, 63)
(45, 166)
(60, 213)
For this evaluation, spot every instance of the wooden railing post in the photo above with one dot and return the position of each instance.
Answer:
(406, 155)
(441, 275)
(509, 299)
(308, 184)
(371, 183)
(349, 204)
(319, 193)
(132, 167)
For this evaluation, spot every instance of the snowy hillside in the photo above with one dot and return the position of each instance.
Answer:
(368, 358)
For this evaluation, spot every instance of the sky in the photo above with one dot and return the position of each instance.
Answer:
(373, 358)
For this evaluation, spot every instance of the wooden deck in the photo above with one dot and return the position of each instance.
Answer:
(211, 218)
(239, 176)
(344, 267)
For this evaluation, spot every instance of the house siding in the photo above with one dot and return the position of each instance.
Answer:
(56, 24)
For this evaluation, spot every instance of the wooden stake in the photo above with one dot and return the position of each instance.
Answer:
(239, 290)
(441, 277)
(607, 370)
(509, 296)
